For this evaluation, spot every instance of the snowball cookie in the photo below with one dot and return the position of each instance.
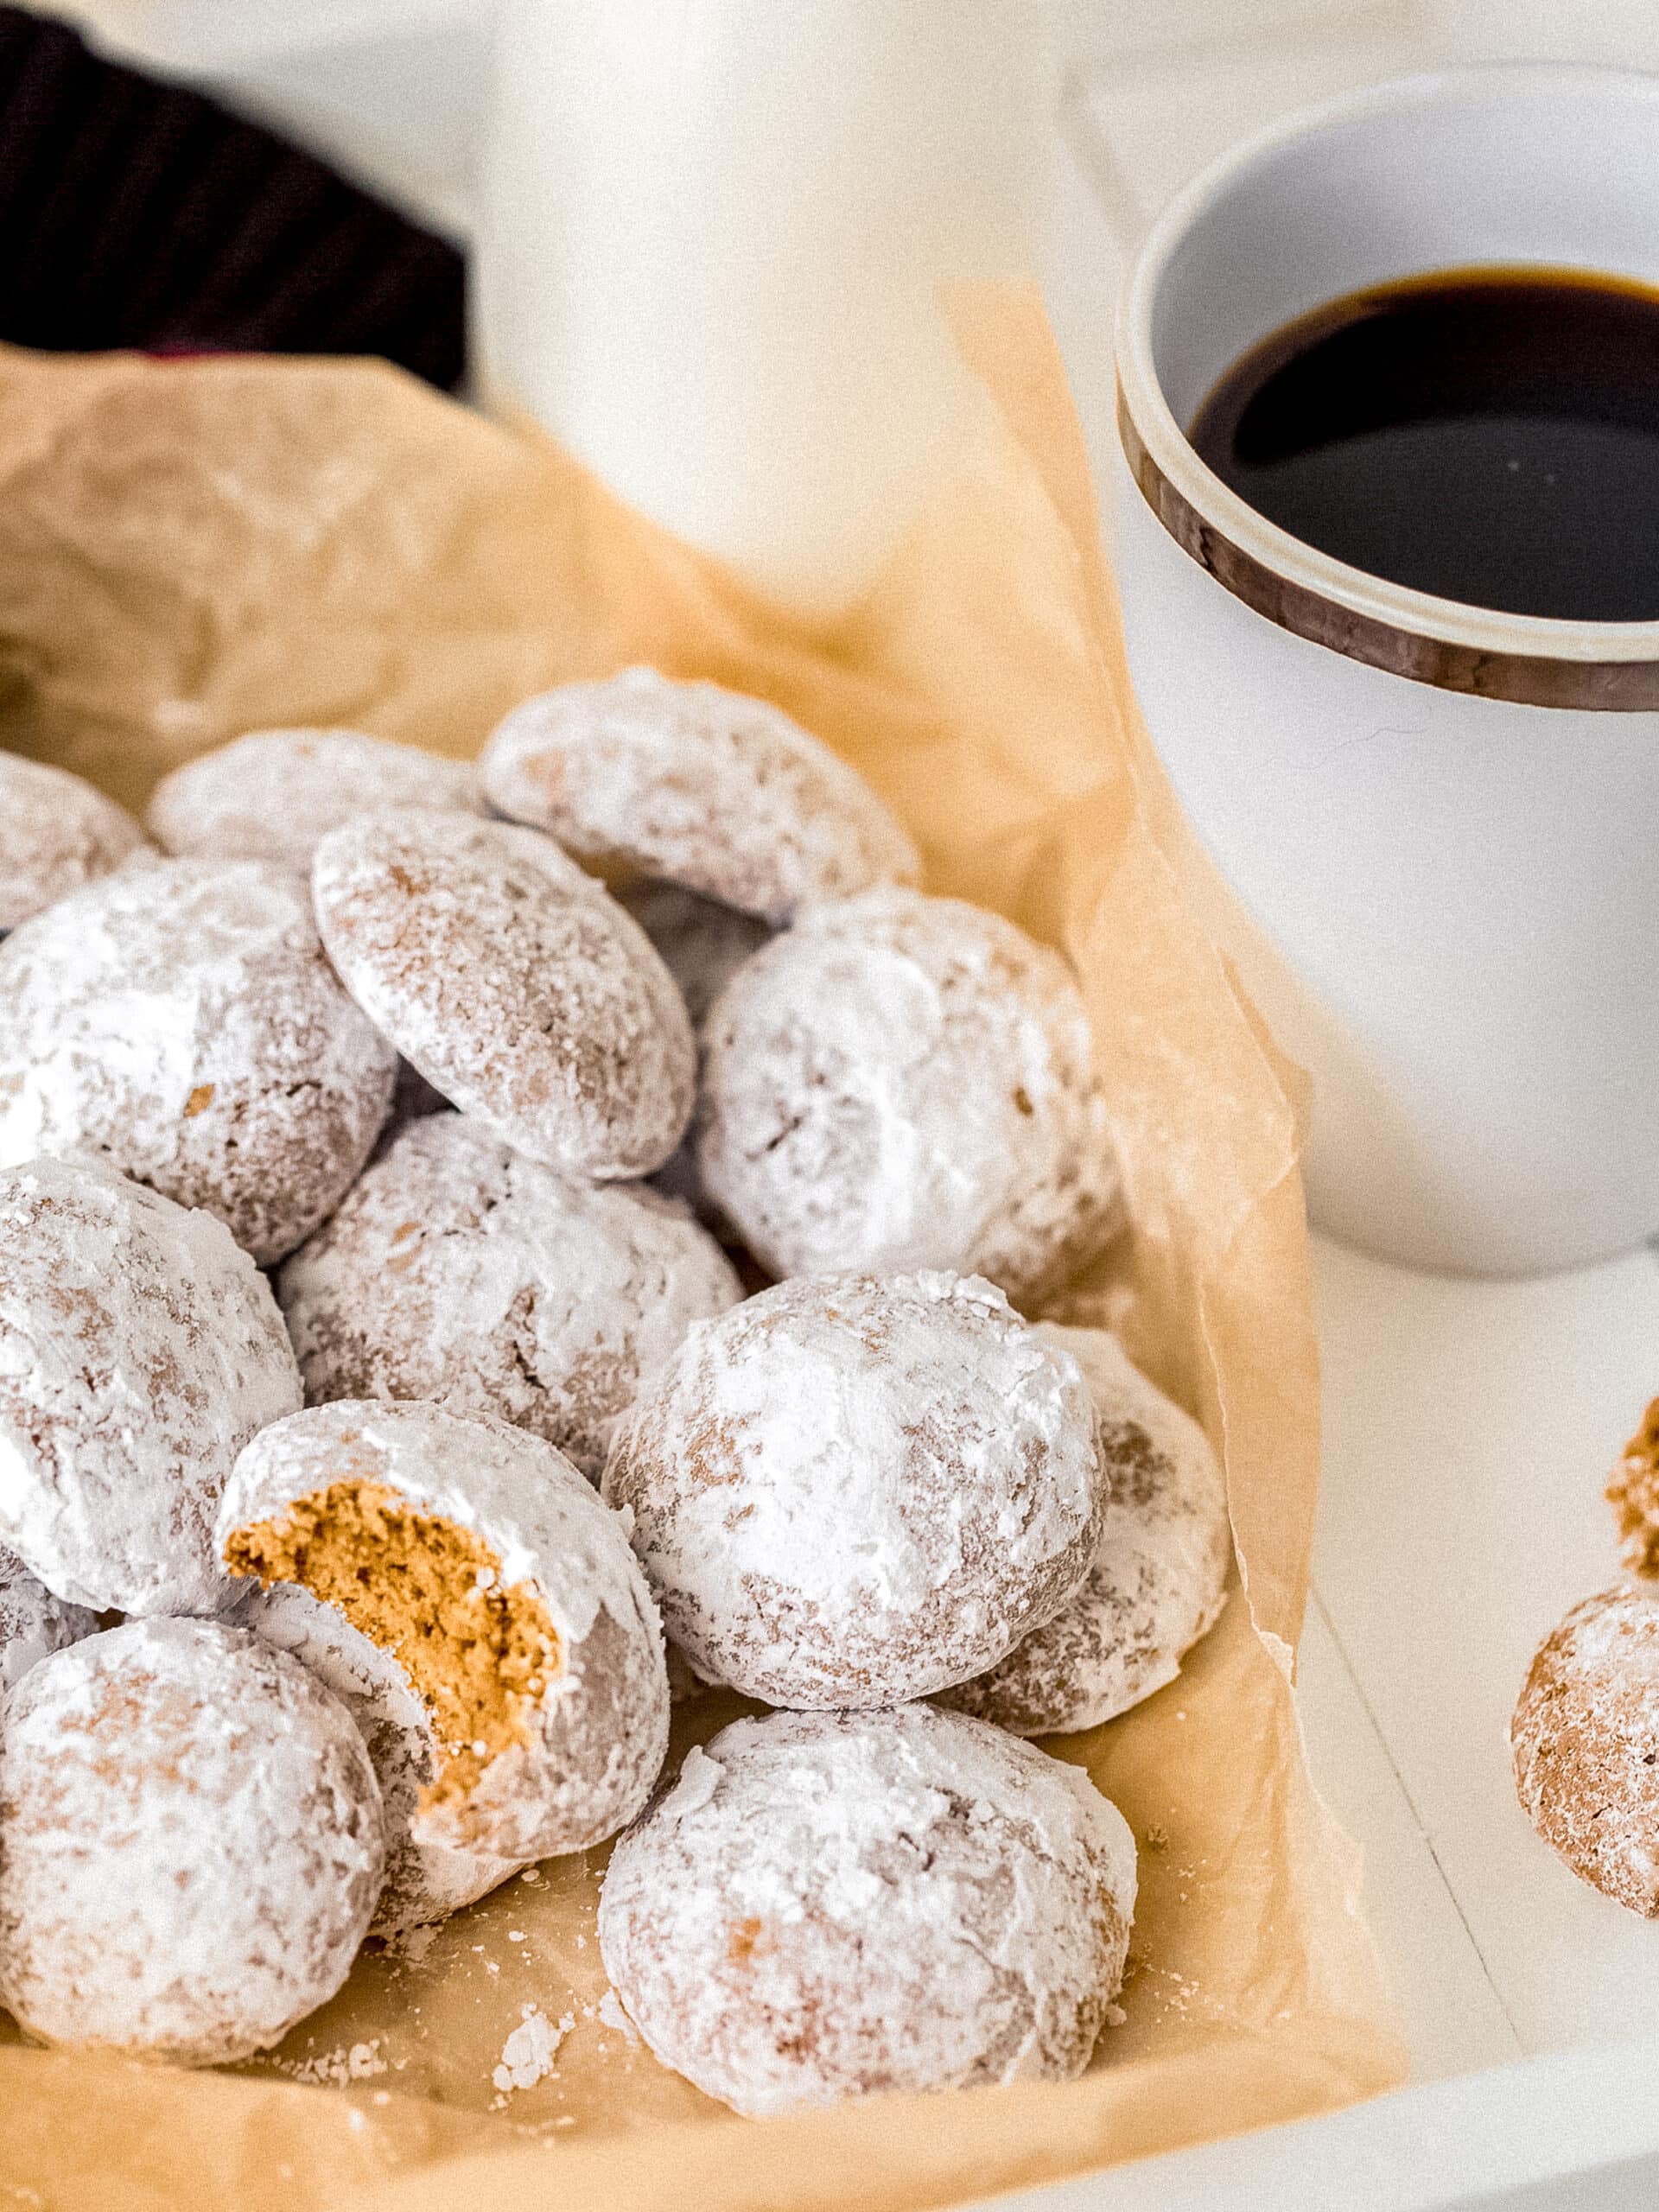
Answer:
(853, 1490)
(424, 1882)
(184, 1022)
(480, 1560)
(190, 1829)
(829, 1905)
(514, 982)
(33, 1622)
(1159, 1578)
(139, 1350)
(702, 787)
(460, 1272)
(905, 1082)
(275, 794)
(57, 833)
(1584, 1737)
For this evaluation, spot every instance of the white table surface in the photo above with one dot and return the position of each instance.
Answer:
(1468, 1427)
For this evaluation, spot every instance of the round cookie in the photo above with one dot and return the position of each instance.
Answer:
(483, 1562)
(706, 788)
(1159, 1578)
(514, 982)
(190, 1828)
(33, 1622)
(139, 1351)
(1584, 1737)
(831, 1905)
(275, 794)
(184, 1022)
(460, 1272)
(906, 1082)
(424, 1882)
(852, 1490)
(57, 833)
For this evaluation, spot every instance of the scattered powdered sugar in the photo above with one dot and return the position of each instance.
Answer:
(706, 788)
(140, 1350)
(459, 1272)
(1158, 1579)
(906, 1082)
(612, 2014)
(852, 1490)
(359, 2061)
(528, 2054)
(273, 794)
(894, 1901)
(183, 1021)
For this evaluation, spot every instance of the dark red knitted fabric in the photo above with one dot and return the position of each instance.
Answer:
(137, 214)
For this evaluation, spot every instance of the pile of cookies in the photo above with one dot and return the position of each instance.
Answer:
(385, 1148)
(1585, 1733)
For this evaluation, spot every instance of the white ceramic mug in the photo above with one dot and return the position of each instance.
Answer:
(1441, 824)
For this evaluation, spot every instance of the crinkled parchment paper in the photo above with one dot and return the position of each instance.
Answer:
(191, 549)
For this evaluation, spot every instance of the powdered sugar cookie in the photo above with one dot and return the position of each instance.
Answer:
(514, 982)
(191, 1833)
(139, 1350)
(185, 1023)
(831, 1905)
(905, 1082)
(460, 1272)
(706, 788)
(33, 1622)
(1159, 1577)
(57, 833)
(853, 1490)
(275, 794)
(483, 1562)
(1584, 1737)
(424, 1882)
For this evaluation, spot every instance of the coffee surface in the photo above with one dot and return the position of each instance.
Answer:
(1490, 435)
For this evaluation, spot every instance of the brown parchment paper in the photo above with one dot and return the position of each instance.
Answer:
(191, 549)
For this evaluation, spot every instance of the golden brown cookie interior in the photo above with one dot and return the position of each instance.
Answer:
(1633, 1493)
(481, 1654)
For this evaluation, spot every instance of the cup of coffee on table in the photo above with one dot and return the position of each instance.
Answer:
(1389, 548)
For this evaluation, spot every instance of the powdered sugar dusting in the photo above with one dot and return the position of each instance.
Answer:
(460, 1272)
(139, 1350)
(603, 1718)
(170, 1794)
(57, 833)
(528, 2054)
(184, 1022)
(514, 983)
(852, 1490)
(905, 1082)
(880, 1901)
(33, 1622)
(703, 787)
(275, 794)
(1158, 1579)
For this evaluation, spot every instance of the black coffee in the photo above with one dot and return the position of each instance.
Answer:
(1488, 434)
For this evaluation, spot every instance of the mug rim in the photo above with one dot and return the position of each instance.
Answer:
(1531, 659)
